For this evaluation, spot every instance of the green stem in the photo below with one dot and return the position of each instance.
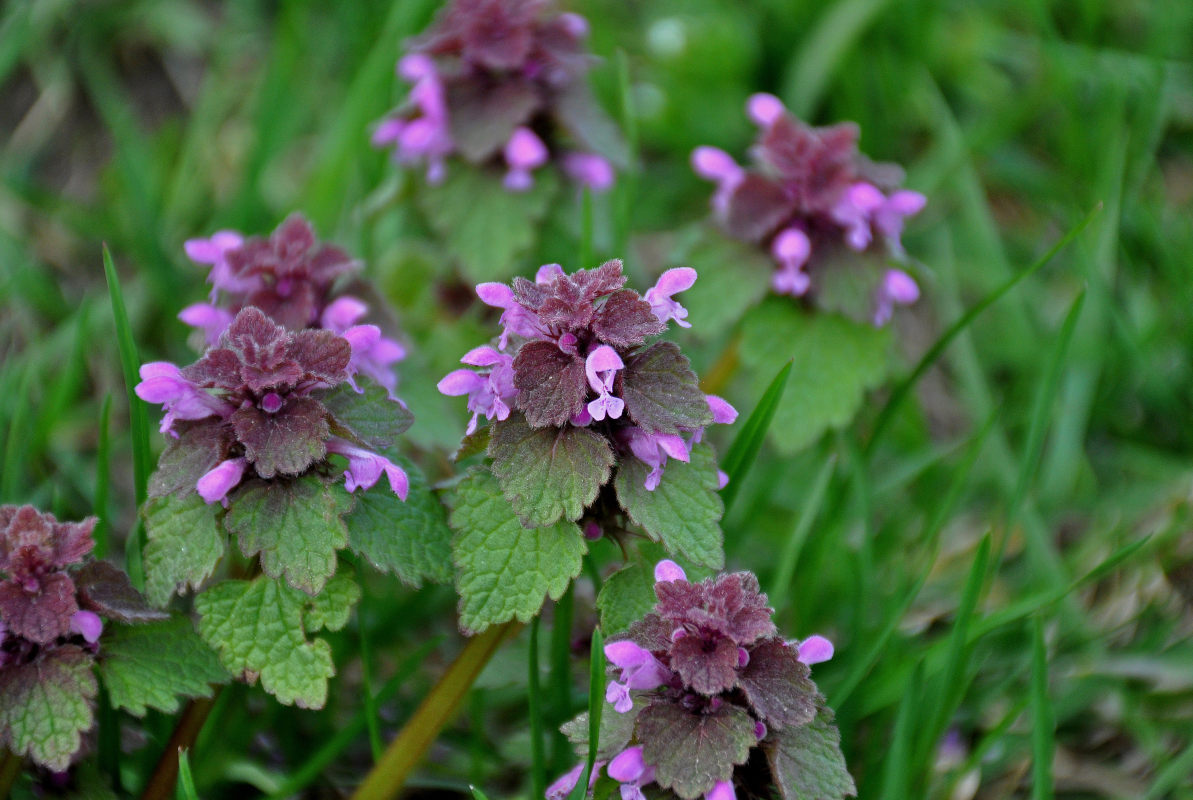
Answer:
(405, 752)
(10, 768)
(561, 676)
(538, 767)
(165, 774)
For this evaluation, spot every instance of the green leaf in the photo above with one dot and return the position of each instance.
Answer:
(748, 442)
(410, 539)
(548, 473)
(295, 525)
(807, 763)
(184, 544)
(733, 276)
(683, 510)
(505, 569)
(616, 731)
(46, 706)
(257, 628)
(626, 596)
(834, 361)
(692, 751)
(331, 608)
(151, 666)
(661, 392)
(485, 227)
(368, 418)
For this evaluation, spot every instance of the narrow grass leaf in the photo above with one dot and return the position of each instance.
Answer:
(748, 442)
(534, 701)
(900, 392)
(186, 782)
(103, 479)
(477, 794)
(596, 705)
(896, 774)
(799, 534)
(1043, 720)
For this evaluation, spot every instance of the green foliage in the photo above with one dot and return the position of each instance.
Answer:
(185, 541)
(368, 418)
(626, 596)
(505, 569)
(46, 706)
(662, 393)
(732, 277)
(615, 734)
(485, 227)
(259, 629)
(548, 474)
(807, 762)
(410, 539)
(834, 362)
(153, 665)
(295, 525)
(682, 511)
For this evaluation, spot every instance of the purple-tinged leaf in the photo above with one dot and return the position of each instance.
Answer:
(652, 632)
(47, 704)
(322, 355)
(484, 115)
(551, 384)
(661, 392)
(692, 751)
(286, 442)
(625, 320)
(199, 447)
(777, 685)
(707, 665)
(107, 591)
(41, 615)
(757, 207)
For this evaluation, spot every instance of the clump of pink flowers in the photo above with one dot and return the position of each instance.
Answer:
(825, 213)
(500, 82)
(705, 679)
(296, 281)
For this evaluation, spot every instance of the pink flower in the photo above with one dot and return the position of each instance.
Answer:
(163, 383)
(854, 210)
(671, 282)
(897, 288)
(562, 788)
(815, 649)
(723, 790)
(601, 367)
(640, 671)
(210, 319)
(372, 353)
(223, 478)
(515, 320)
(631, 771)
(366, 467)
(763, 109)
(889, 217)
(653, 450)
(791, 248)
(714, 164)
(667, 571)
(523, 153)
(214, 251)
(85, 623)
(489, 394)
(590, 169)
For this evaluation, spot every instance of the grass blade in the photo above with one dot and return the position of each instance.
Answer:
(103, 479)
(186, 783)
(795, 542)
(937, 350)
(596, 704)
(561, 676)
(748, 442)
(896, 778)
(534, 702)
(1043, 721)
(477, 794)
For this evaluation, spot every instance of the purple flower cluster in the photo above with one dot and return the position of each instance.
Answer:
(808, 194)
(708, 661)
(572, 352)
(498, 81)
(38, 603)
(252, 406)
(291, 277)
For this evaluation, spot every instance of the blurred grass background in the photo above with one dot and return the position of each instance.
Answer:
(1009, 554)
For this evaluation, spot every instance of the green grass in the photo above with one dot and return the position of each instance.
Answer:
(985, 544)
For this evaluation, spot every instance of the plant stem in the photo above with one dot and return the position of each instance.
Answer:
(165, 774)
(10, 768)
(722, 370)
(407, 749)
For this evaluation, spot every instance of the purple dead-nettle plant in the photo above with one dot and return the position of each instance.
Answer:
(296, 281)
(705, 697)
(573, 355)
(500, 82)
(55, 604)
(252, 407)
(830, 218)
